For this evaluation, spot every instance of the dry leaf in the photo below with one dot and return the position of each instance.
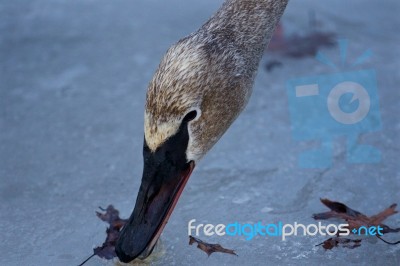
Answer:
(355, 219)
(343, 242)
(210, 248)
(107, 250)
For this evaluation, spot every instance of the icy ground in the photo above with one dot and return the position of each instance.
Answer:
(73, 79)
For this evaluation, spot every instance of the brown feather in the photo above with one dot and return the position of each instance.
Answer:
(212, 70)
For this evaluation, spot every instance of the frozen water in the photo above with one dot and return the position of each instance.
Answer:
(73, 80)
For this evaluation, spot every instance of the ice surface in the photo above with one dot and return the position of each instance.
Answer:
(73, 79)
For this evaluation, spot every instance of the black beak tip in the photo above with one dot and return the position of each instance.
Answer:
(121, 254)
(165, 174)
(125, 248)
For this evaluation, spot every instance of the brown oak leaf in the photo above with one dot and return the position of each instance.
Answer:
(355, 220)
(210, 248)
(339, 241)
(107, 250)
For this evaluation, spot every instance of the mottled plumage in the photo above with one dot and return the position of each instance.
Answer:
(211, 71)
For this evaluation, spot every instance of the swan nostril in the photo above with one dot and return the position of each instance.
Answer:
(190, 116)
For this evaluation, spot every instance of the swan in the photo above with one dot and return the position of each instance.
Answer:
(202, 84)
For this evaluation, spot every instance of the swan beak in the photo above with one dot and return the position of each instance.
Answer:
(164, 178)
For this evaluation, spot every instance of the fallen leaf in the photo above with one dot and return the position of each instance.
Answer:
(355, 220)
(210, 248)
(299, 46)
(343, 242)
(302, 45)
(107, 249)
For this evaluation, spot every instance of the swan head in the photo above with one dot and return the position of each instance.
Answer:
(201, 85)
(194, 96)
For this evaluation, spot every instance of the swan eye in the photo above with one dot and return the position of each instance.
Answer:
(190, 116)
